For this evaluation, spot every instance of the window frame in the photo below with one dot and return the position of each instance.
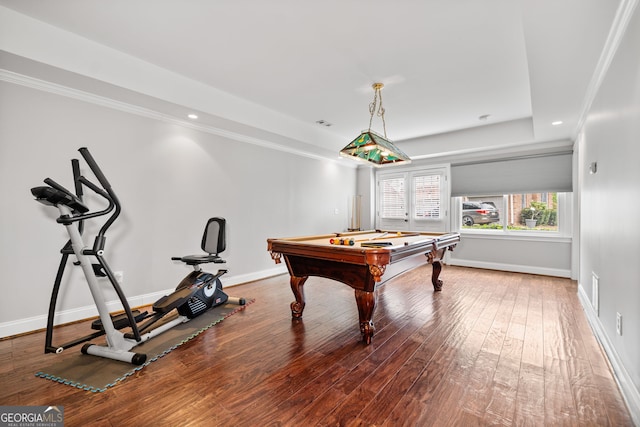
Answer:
(442, 223)
(565, 215)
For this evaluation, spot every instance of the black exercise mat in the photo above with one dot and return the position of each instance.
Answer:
(97, 374)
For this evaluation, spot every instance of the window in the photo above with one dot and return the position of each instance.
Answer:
(414, 199)
(513, 185)
(393, 204)
(533, 211)
(426, 190)
(481, 212)
(516, 212)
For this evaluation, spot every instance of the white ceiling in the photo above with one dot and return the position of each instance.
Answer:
(444, 63)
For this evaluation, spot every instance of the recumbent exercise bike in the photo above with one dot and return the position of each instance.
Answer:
(195, 294)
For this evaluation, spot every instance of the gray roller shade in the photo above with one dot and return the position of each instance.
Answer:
(549, 173)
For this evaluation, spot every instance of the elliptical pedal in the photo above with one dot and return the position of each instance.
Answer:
(174, 300)
(120, 321)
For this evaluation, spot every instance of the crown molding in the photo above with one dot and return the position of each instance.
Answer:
(103, 101)
(616, 33)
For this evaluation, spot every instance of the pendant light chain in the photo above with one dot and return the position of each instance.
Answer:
(374, 104)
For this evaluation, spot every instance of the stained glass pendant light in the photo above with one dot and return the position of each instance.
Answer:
(371, 147)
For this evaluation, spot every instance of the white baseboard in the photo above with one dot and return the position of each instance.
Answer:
(30, 324)
(630, 393)
(556, 272)
(252, 277)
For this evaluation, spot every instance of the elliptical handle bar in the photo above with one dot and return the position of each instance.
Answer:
(53, 184)
(86, 182)
(73, 198)
(100, 237)
(84, 151)
(75, 167)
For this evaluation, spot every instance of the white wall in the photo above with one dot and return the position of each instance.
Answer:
(609, 203)
(551, 257)
(366, 188)
(170, 180)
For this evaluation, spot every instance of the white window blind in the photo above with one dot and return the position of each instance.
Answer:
(394, 205)
(426, 191)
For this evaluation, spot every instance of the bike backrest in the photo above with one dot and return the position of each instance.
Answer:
(214, 239)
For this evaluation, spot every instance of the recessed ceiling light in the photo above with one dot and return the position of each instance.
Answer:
(556, 123)
(192, 116)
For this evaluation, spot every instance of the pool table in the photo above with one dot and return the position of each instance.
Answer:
(358, 259)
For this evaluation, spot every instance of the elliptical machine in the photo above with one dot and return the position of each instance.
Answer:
(197, 292)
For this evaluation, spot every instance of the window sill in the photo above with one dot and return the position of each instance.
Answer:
(539, 236)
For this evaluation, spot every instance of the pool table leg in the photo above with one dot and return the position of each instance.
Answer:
(366, 304)
(297, 286)
(434, 257)
(437, 283)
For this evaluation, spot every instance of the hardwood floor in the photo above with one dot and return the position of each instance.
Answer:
(493, 348)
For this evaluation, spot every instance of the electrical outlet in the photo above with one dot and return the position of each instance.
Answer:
(619, 323)
(595, 291)
(119, 275)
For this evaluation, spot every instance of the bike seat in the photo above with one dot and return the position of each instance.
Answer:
(199, 259)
